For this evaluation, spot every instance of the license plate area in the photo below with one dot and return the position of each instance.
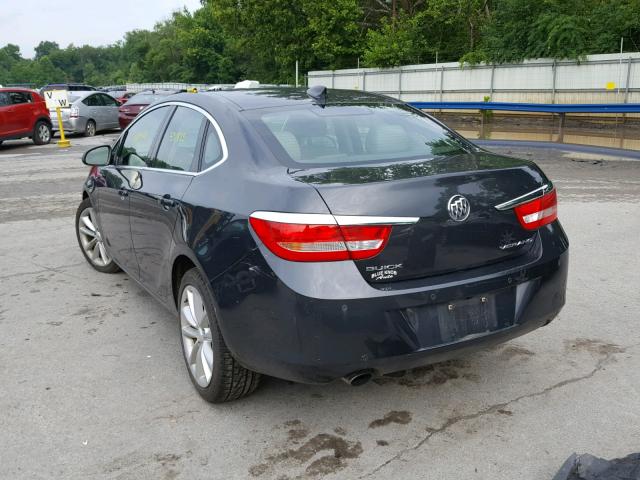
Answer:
(462, 319)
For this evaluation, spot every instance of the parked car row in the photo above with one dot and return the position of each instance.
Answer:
(23, 112)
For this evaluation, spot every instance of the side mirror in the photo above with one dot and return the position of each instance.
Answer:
(97, 156)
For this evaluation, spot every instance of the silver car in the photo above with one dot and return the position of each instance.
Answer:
(89, 113)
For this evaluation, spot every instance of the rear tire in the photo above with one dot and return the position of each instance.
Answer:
(42, 133)
(90, 239)
(214, 372)
(90, 129)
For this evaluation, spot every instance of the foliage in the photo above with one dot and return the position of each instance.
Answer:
(519, 29)
(228, 40)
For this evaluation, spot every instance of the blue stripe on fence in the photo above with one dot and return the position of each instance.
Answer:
(531, 107)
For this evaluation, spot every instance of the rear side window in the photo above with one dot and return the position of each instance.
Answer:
(179, 144)
(19, 97)
(136, 147)
(4, 99)
(212, 148)
(92, 101)
(352, 134)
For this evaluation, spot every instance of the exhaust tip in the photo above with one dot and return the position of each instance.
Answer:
(356, 379)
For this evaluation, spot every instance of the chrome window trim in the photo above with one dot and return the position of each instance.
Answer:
(373, 220)
(328, 219)
(527, 197)
(296, 218)
(207, 115)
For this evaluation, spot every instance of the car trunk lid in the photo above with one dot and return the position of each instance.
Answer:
(436, 243)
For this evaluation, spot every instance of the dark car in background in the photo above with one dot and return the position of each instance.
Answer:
(23, 113)
(138, 102)
(321, 235)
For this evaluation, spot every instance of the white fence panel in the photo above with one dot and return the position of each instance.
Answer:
(533, 81)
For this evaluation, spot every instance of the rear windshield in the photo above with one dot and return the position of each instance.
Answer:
(341, 135)
(148, 98)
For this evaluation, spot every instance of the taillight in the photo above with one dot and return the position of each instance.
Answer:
(538, 212)
(302, 238)
(74, 112)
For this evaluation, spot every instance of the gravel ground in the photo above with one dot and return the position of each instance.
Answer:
(94, 386)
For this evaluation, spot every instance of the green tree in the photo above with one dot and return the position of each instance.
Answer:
(45, 48)
(395, 43)
(267, 36)
(519, 29)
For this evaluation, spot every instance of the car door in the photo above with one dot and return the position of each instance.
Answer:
(19, 112)
(155, 206)
(109, 111)
(121, 178)
(4, 114)
(92, 110)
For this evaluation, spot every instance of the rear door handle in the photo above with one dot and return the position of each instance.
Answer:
(167, 202)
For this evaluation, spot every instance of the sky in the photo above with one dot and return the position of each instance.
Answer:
(27, 22)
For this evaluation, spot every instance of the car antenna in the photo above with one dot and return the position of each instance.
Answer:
(319, 94)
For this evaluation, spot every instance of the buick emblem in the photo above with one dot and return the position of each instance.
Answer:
(459, 208)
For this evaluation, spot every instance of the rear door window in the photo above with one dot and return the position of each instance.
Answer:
(108, 101)
(179, 146)
(4, 99)
(137, 146)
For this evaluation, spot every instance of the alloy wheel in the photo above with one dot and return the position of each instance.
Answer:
(196, 336)
(44, 133)
(91, 240)
(91, 129)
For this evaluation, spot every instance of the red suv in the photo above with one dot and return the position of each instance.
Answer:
(23, 113)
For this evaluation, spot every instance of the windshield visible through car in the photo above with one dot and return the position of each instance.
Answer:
(343, 134)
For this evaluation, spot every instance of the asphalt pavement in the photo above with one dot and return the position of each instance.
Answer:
(93, 385)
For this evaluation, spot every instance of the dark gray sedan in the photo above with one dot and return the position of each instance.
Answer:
(320, 235)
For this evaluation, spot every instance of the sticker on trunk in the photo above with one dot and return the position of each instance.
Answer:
(383, 272)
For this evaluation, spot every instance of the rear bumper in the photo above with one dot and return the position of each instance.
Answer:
(274, 328)
(71, 125)
(125, 120)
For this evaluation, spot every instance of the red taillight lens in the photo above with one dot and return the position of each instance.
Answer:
(321, 243)
(538, 212)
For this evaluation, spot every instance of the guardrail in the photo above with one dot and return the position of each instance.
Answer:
(532, 107)
(560, 109)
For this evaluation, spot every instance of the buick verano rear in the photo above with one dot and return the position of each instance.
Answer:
(322, 234)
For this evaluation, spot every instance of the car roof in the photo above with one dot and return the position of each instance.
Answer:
(66, 85)
(249, 99)
(17, 89)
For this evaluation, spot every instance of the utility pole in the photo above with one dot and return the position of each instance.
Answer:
(297, 83)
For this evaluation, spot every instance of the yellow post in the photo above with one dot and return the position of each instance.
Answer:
(63, 142)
